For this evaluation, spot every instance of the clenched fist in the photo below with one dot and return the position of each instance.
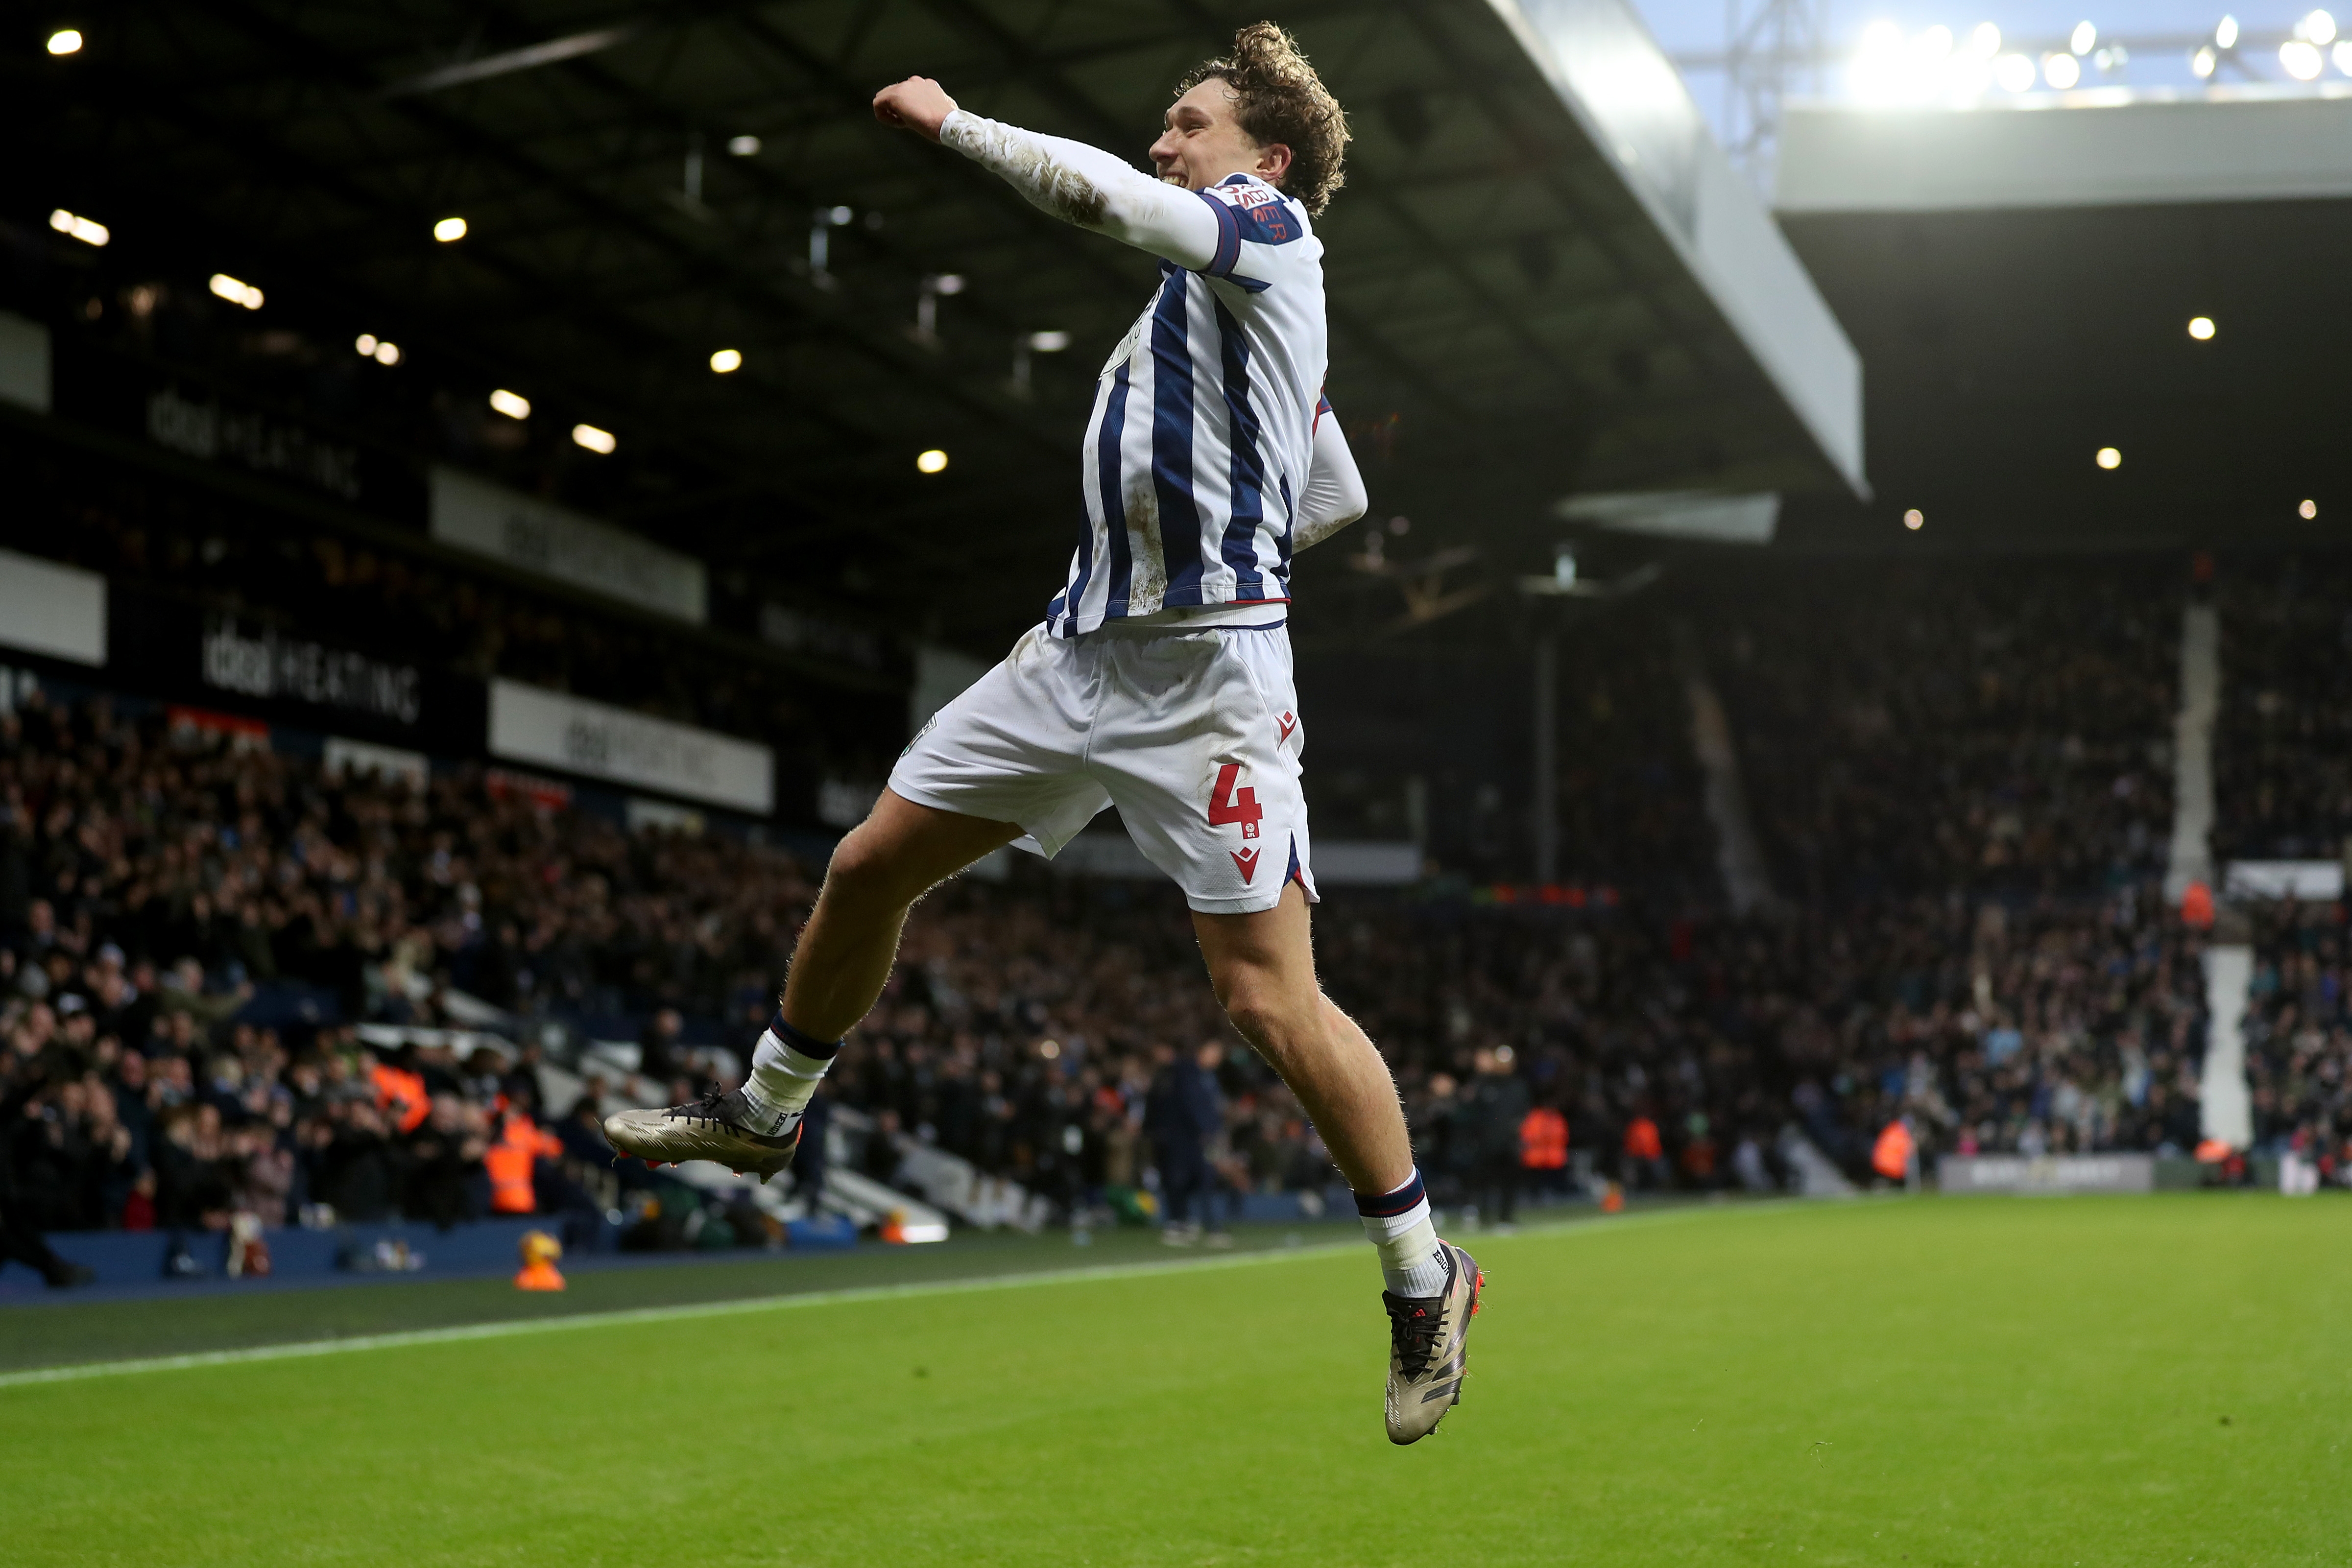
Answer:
(918, 103)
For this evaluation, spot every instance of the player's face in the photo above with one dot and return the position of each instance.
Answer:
(1204, 142)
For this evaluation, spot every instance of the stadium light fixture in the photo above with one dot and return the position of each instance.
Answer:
(2109, 457)
(727, 362)
(2204, 61)
(743, 146)
(930, 462)
(2300, 59)
(2344, 55)
(2062, 72)
(2317, 27)
(1984, 42)
(514, 405)
(2202, 329)
(2014, 73)
(65, 41)
(84, 229)
(601, 442)
(2086, 38)
(1049, 342)
(2225, 37)
(382, 351)
(387, 353)
(449, 230)
(1915, 519)
(2308, 510)
(234, 292)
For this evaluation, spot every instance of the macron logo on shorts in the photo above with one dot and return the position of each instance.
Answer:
(1245, 861)
(1287, 723)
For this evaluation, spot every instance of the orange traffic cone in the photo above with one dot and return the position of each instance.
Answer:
(539, 1251)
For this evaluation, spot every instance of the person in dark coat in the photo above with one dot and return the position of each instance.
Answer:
(1494, 1103)
(1180, 1115)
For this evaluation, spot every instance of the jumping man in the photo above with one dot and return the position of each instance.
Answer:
(1160, 677)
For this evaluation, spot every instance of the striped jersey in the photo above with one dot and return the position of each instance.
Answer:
(1202, 426)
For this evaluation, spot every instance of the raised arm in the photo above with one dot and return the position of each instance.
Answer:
(1077, 183)
(1334, 494)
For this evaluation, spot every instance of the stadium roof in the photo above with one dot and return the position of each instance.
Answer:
(2023, 277)
(1544, 277)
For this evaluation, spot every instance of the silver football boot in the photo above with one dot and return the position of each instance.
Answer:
(716, 1127)
(1426, 1337)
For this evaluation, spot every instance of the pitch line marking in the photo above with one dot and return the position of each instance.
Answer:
(626, 1317)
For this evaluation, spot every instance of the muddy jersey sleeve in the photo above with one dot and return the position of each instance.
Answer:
(1089, 187)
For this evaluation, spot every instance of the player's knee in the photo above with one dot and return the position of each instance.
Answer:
(1266, 1018)
(860, 872)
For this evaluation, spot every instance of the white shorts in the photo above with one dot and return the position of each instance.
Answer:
(1195, 736)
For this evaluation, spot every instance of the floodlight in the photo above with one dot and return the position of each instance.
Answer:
(2015, 72)
(727, 361)
(236, 293)
(2301, 60)
(930, 462)
(1915, 519)
(2344, 55)
(2318, 28)
(2308, 510)
(743, 146)
(839, 216)
(1984, 43)
(1049, 342)
(2204, 61)
(65, 41)
(366, 345)
(86, 230)
(2086, 38)
(948, 283)
(1935, 43)
(2201, 327)
(2062, 72)
(593, 439)
(2110, 458)
(2226, 35)
(387, 353)
(512, 404)
(449, 229)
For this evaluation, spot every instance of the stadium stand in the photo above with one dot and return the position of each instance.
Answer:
(193, 927)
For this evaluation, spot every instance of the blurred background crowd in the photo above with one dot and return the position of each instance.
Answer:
(1964, 823)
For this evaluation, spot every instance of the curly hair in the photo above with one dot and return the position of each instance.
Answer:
(1280, 98)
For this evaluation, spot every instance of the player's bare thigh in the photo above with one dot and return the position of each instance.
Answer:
(902, 850)
(1262, 964)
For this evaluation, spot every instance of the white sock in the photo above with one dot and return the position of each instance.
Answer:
(783, 1076)
(1399, 1225)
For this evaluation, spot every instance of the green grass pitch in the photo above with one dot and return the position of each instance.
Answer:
(1923, 1382)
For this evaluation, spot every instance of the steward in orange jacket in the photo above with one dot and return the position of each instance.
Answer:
(1892, 1156)
(522, 1144)
(1543, 1140)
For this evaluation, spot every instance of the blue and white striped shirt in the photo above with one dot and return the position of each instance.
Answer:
(1199, 447)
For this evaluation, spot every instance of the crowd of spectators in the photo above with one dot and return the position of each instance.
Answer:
(1972, 938)
(1972, 726)
(2282, 747)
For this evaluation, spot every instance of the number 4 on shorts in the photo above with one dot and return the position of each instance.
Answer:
(1230, 801)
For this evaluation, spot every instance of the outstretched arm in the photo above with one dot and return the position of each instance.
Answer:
(1069, 180)
(1334, 494)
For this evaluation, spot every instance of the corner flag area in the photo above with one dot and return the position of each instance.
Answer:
(1930, 1381)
